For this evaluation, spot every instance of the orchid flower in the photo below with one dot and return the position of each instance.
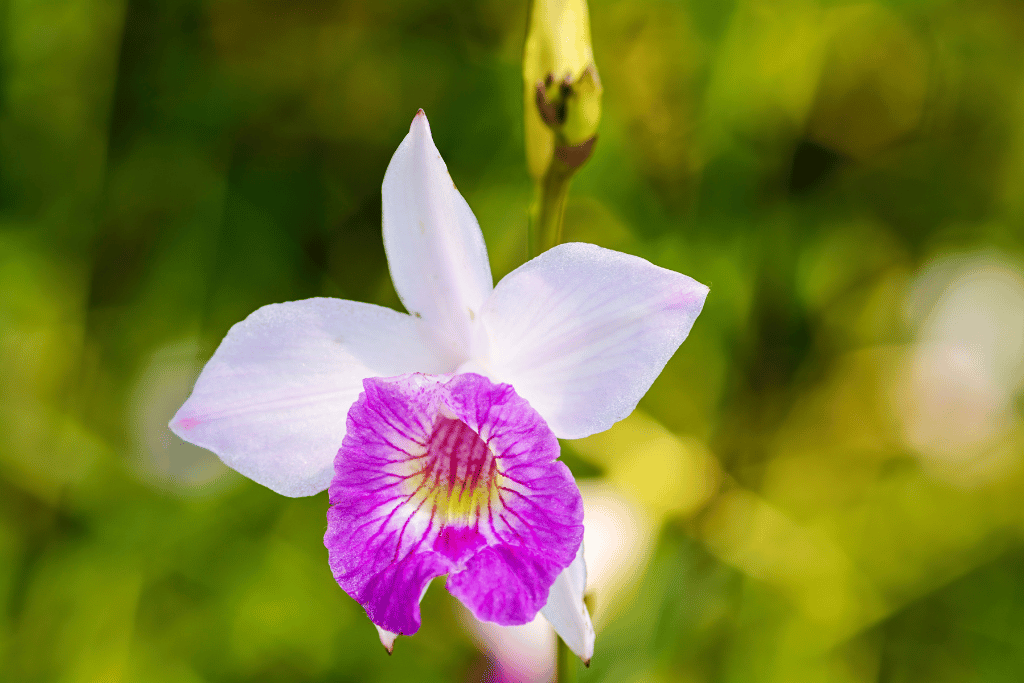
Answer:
(446, 417)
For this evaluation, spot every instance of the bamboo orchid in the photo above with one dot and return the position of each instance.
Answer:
(436, 430)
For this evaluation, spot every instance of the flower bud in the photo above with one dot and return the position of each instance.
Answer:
(561, 86)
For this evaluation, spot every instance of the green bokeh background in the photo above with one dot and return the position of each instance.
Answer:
(829, 169)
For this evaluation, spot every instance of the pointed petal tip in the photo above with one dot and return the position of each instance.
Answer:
(181, 423)
(696, 295)
(420, 123)
(586, 663)
(387, 639)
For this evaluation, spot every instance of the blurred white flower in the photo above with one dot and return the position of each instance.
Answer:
(956, 395)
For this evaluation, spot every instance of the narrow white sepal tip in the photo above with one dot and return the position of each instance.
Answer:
(387, 639)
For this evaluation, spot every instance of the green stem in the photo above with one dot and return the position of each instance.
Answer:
(565, 665)
(548, 210)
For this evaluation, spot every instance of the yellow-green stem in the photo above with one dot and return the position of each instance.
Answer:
(566, 667)
(548, 210)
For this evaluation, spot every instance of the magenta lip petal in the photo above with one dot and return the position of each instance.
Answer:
(449, 475)
(505, 584)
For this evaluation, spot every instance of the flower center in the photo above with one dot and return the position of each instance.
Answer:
(458, 474)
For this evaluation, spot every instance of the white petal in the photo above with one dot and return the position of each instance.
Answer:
(582, 332)
(387, 639)
(273, 399)
(567, 612)
(435, 249)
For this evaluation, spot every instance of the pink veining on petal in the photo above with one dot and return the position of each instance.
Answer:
(449, 475)
(188, 422)
(690, 298)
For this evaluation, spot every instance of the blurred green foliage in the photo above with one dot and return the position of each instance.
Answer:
(834, 171)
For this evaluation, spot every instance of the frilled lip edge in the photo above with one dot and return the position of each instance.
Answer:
(449, 475)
